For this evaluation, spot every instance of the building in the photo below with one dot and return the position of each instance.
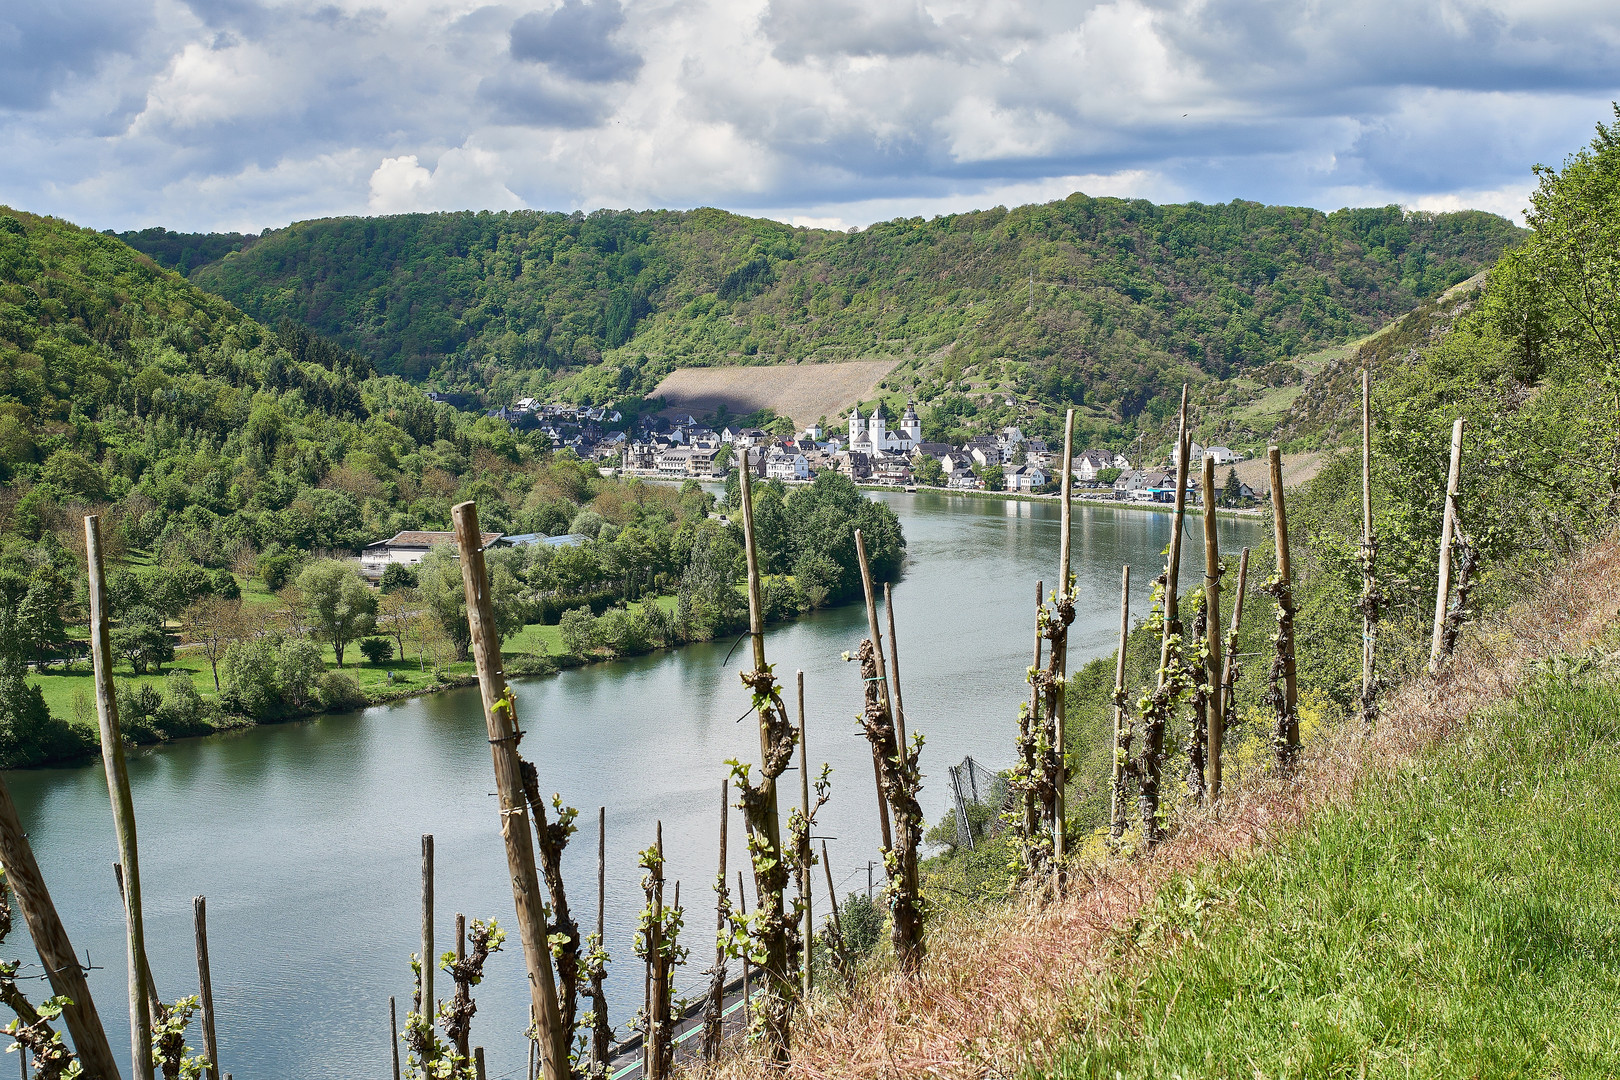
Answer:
(781, 465)
(409, 548)
(1025, 478)
(871, 435)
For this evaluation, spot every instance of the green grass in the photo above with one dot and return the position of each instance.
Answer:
(1459, 918)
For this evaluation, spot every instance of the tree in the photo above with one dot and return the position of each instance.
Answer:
(39, 619)
(341, 606)
(1232, 490)
(394, 613)
(397, 576)
(928, 470)
(141, 639)
(214, 623)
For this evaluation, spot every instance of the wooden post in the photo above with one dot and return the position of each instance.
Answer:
(428, 962)
(478, 1062)
(153, 1001)
(501, 724)
(1285, 576)
(883, 685)
(55, 950)
(1116, 817)
(713, 1019)
(1213, 668)
(1229, 673)
(601, 1033)
(1030, 729)
(123, 805)
(1173, 565)
(742, 910)
(1369, 556)
(1443, 591)
(807, 923)
(762, 815)
(205, 984)
(656, 1043)
(393, 1033)
(461, 956)
(832, 895)
(1155, 722)
(1060, 657)
(894, 666)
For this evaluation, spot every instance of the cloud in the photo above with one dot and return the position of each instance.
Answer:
(576, 40)
(463, 179)
(44, 45)
(204, 113)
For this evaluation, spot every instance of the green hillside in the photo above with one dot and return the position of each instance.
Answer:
(1128, 299)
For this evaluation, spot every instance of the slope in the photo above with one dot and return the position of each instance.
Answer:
(1109, 303)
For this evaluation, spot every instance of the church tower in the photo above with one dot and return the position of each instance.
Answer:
(857, 426)
(911, 425)
(875, 428)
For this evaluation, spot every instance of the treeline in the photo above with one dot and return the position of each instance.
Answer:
(1129, 298)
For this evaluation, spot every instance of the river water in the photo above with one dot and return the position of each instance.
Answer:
(305, 836)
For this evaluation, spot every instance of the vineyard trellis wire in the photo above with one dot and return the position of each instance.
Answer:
(973, 785)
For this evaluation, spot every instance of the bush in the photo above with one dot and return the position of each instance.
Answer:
(183, 709)
(862, 920)
(278, 569)
(140, 709)
(247, 678)
(225, 585)
(578, 630)
(338, 690)
(377, 650)
(298, 670)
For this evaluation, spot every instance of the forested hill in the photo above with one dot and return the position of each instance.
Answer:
(1128, 297)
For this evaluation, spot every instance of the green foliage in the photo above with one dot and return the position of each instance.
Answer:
(1454, 919)
(141, 639)
(1131, 296)
(29, 734)
(377, 650)
(863, 924)
(342, 607)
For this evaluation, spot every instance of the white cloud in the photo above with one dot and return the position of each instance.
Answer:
(202, 114)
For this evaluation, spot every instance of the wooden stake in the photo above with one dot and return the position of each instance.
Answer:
(656, 1044)
(1285, 577)
(894, 666)
(123, 805)
(1369, 556)
(429, 962)
(55, 950)
(807, 923)
(742, 910)
(461, 955)
(1442, 592)
(1229, 673)
(1060, 659)
(713, 1019)
(1116, 818)
(205, 984)
(1173, 565)
(883, 683)
(478, 1062)
(393, 1033)
(154, 1002)
(832, 894)
(1213, 668)
(1153, 727)
(1030, 727)
(501, 724)
(601, 1033)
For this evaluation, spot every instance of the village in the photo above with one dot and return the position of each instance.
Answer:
(868, 451)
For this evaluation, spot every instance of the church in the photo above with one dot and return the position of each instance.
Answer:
(870, 435)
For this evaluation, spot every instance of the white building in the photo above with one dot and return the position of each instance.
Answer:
(784, 466)
(1025, 478)
(407, 549)
(871, 435)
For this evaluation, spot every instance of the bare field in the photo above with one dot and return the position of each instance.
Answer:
(1297, 469)
(803, 391)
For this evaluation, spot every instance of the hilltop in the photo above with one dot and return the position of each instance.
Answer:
(1107, 304)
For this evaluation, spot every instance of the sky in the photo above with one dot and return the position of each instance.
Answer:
(249, 114)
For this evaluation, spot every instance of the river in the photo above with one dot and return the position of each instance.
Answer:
(305, 836)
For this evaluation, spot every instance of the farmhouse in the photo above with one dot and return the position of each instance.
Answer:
(408, 548)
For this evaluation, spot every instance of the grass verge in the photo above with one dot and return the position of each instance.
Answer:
(1457, 918)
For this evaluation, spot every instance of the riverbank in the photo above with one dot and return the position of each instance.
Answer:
(1080, 499)
(537, 651)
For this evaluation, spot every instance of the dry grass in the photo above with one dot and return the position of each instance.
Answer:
(997, 990)
(804, 392)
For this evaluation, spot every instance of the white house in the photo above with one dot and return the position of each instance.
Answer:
(1223, 456)
(784, 466)
(1025, 478)
(407, 549)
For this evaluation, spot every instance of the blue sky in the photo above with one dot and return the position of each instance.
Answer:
(245, 114)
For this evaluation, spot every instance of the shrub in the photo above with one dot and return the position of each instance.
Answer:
(183, 708)
(578, 630)
(377, 650)
(278, 569)
(339, 690)
(298, 671)
(863, 924)
(247, 678)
